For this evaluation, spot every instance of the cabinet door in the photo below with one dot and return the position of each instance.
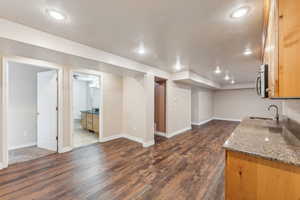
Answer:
(96, 123)
(289, 48)
(249, 178)
(83, 120)
(89, 121)
(271, 49)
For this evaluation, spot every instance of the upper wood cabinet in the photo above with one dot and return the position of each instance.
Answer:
(281, 47)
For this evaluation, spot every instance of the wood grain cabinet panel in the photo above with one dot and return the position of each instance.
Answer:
(95, 123)
(252, 178)
(90, 121)
(83, 120)
(281, 44)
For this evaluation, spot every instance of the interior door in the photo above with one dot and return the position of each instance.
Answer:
(160, 105)
(47, 110)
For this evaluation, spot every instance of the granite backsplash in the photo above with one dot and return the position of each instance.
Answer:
(291, 109)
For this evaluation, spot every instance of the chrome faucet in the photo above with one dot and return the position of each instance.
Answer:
(277, 113)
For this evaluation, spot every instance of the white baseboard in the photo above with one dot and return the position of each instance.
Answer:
(65, 149)
(106, 139)
(202, 122)
(227, 119)
(160, 134)
(169, 135)
(148, 144)
(133, 138)
(129, 137)
(138, 140)
(23, 146)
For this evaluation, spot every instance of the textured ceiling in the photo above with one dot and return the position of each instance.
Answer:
(201, 33)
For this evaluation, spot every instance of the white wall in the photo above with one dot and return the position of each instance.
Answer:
(238, 104)
(112, 105)
(80, 97)
(291, 108)
(178, 107)
(134, 104)
(202, 105)
(94, 97)
(22, 106)
(138, 108)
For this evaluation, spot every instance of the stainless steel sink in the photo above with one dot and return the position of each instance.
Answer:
(261, 118)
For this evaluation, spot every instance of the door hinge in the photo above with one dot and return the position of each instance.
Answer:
(56, 137)
(56, 108)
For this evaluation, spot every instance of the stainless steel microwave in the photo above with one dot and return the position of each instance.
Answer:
(262, 81)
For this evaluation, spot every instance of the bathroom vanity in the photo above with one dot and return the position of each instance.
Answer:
(90, 120)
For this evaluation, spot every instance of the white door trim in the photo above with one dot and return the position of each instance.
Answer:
(4, 94)
(101, 124)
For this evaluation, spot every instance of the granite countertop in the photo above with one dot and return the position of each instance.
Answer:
(90, 112)
(267, 139)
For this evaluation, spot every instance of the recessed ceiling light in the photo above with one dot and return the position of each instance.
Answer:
(232, 81)
(241, 12)
(141, 49)
(56, 14)
(178, 65)
(218, 70)
(227, 77)
(247, 52)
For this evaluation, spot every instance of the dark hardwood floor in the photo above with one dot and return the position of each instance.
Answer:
(188, 166)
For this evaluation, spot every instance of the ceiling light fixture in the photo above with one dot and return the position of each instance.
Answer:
(227, 77)
(241, 12)
(218, 70)
(178, 65)
(247, 52)
(56, 14)
(141, 49)
(232, 81)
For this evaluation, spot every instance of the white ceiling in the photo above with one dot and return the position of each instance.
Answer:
(200, 32)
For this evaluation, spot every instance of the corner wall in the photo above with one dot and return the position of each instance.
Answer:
(112, 104)
(202, 105)
(138, 109)
(178, 108)
(22, 106)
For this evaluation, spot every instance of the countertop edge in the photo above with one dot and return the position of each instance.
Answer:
(260, 156)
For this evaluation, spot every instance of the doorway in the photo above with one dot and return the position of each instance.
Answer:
(32, 112)
(86, 109)
(160, 106)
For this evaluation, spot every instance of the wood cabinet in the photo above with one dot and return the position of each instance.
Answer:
(281, 46)
(90, 121)
(83, 120)
(96, 123)
(253, 178)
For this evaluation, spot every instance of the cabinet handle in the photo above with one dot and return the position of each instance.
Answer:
(258, 86)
